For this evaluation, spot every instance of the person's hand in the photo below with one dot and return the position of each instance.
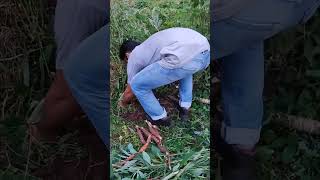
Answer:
(126, 97)
(121, 104)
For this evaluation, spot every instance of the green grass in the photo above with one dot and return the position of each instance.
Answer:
(26, 57)
(139, 19)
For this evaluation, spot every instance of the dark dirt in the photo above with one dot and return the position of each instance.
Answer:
(93, 167)
(168, 102)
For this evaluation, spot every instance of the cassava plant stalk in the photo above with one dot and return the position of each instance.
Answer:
(299, 123)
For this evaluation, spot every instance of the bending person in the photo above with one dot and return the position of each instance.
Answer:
(174, 54)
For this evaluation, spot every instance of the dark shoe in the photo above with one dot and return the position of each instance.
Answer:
(235, 163)
(161, 122)
(184, 114)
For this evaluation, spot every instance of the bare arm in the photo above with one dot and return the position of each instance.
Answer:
(127, 95)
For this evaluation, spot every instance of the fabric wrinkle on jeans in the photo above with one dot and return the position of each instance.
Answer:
(154, 76)
(87, 75)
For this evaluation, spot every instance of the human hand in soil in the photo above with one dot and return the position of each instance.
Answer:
(121, 104)
(126, 97)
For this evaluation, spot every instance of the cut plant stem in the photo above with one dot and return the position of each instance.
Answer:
(299, 123)
(204, 101)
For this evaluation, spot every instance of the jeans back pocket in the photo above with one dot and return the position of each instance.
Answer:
(198, 63)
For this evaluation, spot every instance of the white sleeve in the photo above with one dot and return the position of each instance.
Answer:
(133, 66)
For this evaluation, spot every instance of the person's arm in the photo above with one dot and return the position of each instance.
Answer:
(132, 69)
(127, 96)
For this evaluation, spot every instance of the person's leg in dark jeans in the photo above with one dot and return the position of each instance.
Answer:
(242, 89)
(238, 44)
(87, 76)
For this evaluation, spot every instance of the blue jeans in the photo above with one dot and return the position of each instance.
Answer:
(154, 76)
(238, 43)
(87, 74)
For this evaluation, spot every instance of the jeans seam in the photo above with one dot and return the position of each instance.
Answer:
(308, 13)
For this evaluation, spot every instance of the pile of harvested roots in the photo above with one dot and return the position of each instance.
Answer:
(146, 137)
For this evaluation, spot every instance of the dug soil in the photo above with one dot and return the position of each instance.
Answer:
(93, 167)
(137, 114)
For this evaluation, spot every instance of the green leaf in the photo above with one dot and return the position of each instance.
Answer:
(133, 169)
(288, 153)
(131, 149)
(269, 136)
(156, 151)
(170, 175)
(313, 74)
(186, 157)
(125, 152)
(146, 157)
(195, 2)
(308, 47)
(264, 153)
(279, 143)
(176, 167)
(128, 164)
(197, 172)
(141, 175)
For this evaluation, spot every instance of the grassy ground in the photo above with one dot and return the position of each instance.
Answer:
(139, 19)
(25, 48)
(26, 63)
(292, 87)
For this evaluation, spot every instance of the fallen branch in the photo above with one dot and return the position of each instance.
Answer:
(299, 123)
(204, 101)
